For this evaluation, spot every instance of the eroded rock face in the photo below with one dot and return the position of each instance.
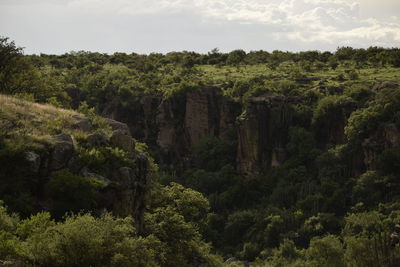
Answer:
(123, 141)
(166, 122)
(229, 111)
(184, 121)
(150, 106)
(130, 187)
(392, 135)
(263, 133)
(331, 130)
(202, 114)
(63, 151)
(387, 136)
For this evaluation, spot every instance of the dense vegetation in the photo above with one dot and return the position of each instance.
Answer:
(333, 201)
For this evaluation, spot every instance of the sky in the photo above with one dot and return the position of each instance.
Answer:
(145, 26)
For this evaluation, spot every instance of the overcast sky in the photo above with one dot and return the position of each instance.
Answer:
(144, 26)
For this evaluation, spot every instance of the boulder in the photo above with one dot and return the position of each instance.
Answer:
(97, 139)
(82, 123)
(118, 126)
(62, 152)
(121, 140)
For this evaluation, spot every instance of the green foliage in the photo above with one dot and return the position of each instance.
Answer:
(326, 251)
(103, 159)
(71, 192)
(365, 121)
(192, 205)
(286, 255)
(367, 236)
(291, 214)
(370, 188)
(328, 106)
(86, 241)
(211, 154)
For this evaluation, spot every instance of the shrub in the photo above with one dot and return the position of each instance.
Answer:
(70, 192)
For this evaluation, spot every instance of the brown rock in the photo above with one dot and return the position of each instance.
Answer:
(387, 136)
(63, 151)
(97, 139)
(392, 135)
(199, 107)
(165, 121)
(121, 140)
(82, 123)
(208, 114)
(262, 133)
(116, 125)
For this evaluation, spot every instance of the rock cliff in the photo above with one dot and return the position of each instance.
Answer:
(68, 161)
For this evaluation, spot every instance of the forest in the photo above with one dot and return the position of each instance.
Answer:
(186, 159)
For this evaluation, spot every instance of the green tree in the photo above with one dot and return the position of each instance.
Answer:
(326, 251)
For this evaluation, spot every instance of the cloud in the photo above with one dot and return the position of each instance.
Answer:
(302, 20)
(202, 24)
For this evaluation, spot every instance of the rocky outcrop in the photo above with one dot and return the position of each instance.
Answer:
(202, 114)
(116, 125)
(82, 123)
(150, 106)
(387, 136)
(168, 124)
(330, 129)
(263, 133)
(184, 121)
(97, 140)
(62, 152)
(126, 194)
(123, 141)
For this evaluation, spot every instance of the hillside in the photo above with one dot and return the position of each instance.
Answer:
(62, 161)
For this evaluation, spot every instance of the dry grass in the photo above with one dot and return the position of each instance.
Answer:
(21, 106)
(39, 121)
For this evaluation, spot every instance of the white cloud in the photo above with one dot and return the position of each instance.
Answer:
(288, 23)
(303, 20)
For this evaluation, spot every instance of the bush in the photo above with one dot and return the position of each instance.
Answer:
(72, 193)
(326, 251)
(83, 240)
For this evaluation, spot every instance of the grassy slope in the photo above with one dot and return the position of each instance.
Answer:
(38, 122)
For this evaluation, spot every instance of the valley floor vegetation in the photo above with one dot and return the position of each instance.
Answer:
(184, 159)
